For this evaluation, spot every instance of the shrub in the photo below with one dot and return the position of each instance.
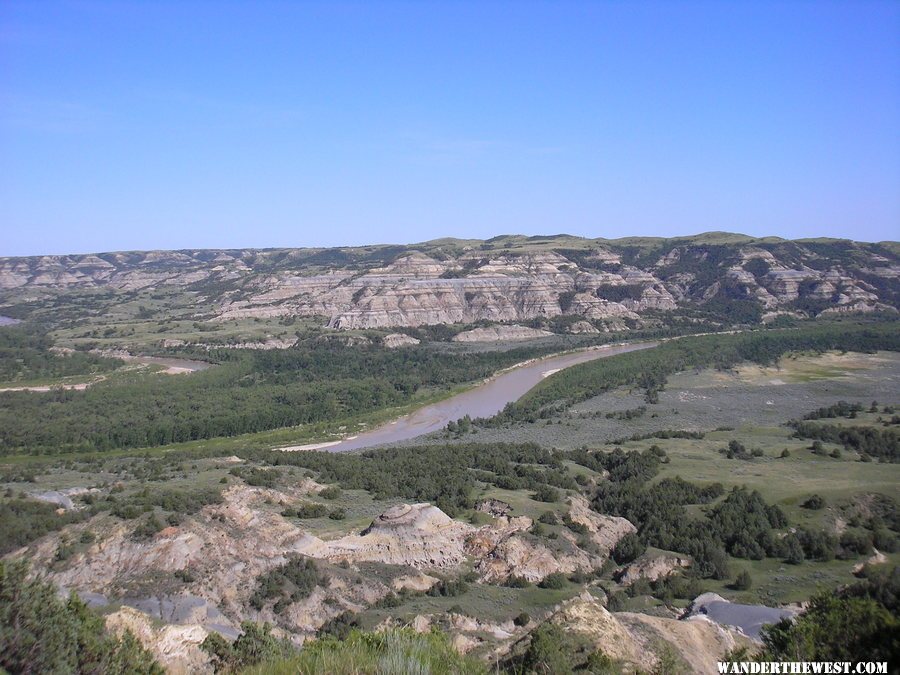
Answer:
(884, 540)
(599, 663)
(331, 492)
(391, 651)
(293, 581)
(147, 528)
(340, 626)
(555, 581)
(793, 550)
(615, 602)
(855, 543)
(628, 548)
(814, 503)
(515, 581)
(575, 526)
(547, 651)
(185, 575)
(254, 645)
(834, 628)
(743, 581)
(41, 633)
(549, 518)
(546, 493)
(311, 511)
(579, 577)
(448, 588)
(522, 619)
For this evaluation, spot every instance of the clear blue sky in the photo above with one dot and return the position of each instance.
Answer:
(135, 125)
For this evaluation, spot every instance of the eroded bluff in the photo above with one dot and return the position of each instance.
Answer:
(447, 282)
(203, 574)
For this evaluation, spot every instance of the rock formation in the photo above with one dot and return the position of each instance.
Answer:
(652, 567)
(500, 333)
(639, 640)
(395, 340)
(506, 280)
(224, 563)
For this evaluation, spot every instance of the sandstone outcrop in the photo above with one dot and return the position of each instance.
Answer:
(639, 640)
(211, 544)
(504, 549)
(605, 531)
(499, 281)
(493, 507)
(396, 340)
(176, 648)
(652, 567)
(418, 535)
(581, 327)
(222, 563)
(500, 334)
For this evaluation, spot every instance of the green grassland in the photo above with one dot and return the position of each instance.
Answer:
(746, 397)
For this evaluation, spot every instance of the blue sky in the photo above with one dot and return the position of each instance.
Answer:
(136, 125)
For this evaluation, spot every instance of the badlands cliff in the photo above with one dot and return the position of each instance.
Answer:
(506, 279)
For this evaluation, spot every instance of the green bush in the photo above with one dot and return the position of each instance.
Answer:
(389, 651)
(522, 619)
(147, 528)
(254, 645)
(545, 493)
(628, 548)
(340, 626)
(547, 652)
(331, 492)
(556, 581)
(835, 628)
(311, 511)
(24, 520)
(40, 633)
(288, 583)
(549, 518)
(743, 581)
(814, 503)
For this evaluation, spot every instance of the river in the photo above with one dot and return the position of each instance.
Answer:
(485, 400)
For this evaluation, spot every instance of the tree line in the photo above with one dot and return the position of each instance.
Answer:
(25, 354)
(250, 391)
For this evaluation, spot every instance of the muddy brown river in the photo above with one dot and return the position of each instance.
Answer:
(485, 400)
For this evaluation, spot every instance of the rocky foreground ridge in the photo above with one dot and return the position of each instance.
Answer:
(505, 279)
(174, 588)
